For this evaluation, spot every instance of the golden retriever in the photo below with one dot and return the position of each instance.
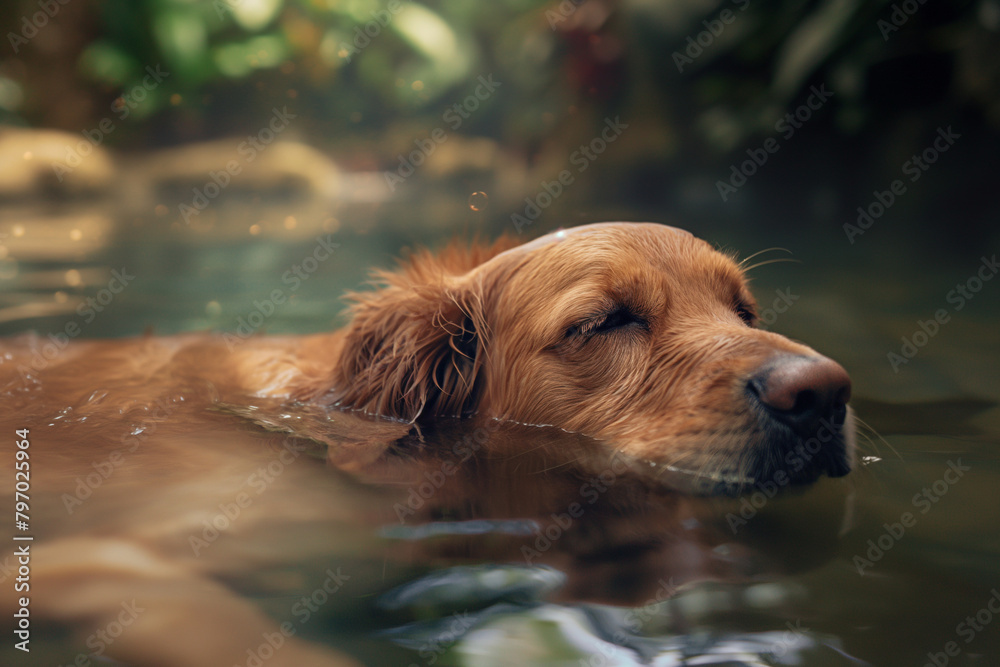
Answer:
(639, 335)
(634, 333)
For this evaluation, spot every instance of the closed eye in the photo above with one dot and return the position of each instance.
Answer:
(747, 314)
(617, 319)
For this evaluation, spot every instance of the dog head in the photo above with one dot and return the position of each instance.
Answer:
(637, 334)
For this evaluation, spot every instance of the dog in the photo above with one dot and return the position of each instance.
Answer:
(146, 487)
(637, 334)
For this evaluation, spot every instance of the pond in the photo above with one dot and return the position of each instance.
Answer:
(400, 545)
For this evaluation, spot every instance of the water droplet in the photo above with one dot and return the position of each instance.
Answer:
(478, 201)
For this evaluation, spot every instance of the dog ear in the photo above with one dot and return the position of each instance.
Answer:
(414, 347)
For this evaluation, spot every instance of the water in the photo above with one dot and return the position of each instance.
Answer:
(427, 546)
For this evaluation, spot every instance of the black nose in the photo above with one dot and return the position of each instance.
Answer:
(801, 391)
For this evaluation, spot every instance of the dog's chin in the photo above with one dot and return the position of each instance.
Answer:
(775, 461)
(787, 459)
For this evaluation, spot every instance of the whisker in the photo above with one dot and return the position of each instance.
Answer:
(772, 261)
(868, 444)
(876, 434)
(761, 252)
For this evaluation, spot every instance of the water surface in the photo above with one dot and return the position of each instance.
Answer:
(512, 544)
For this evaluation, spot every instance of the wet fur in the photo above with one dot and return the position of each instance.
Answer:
(481, 332)
(484, 331)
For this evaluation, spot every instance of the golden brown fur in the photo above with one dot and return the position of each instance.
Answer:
(523, 333)
(485, 331)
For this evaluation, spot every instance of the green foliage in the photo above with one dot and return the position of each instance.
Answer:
(400, 54)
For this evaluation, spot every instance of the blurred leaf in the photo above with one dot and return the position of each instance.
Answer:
(182, 38)
(428, 32)
(238, 59)
(377, 73)
(152, 100)
(432, 37)
(334, 47)
(231, 59)
(253, 15)
(267, 50)
(107, 63)
(811, 44)
(11, 94)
